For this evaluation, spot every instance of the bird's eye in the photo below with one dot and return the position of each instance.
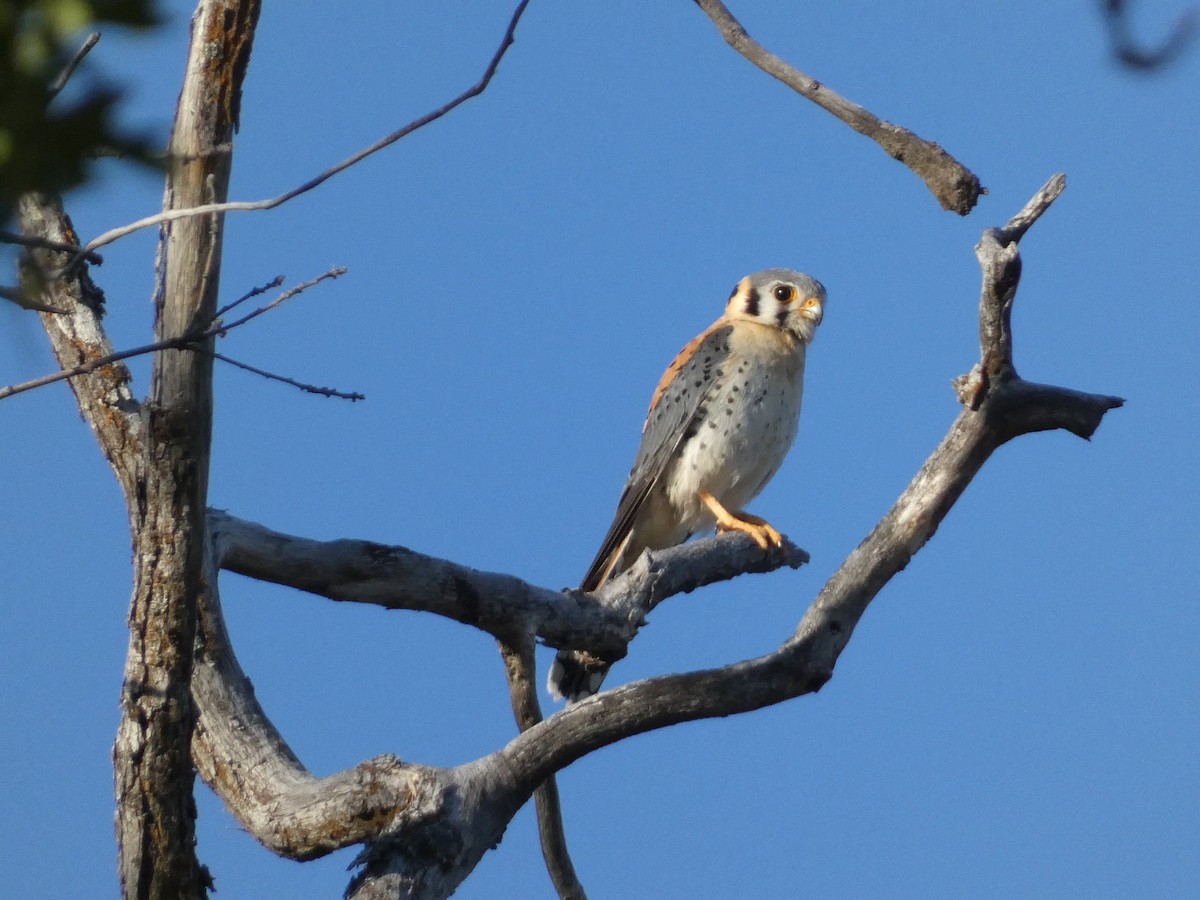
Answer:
(785, 293)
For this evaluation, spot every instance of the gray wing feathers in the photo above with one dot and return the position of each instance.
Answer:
(669, 422)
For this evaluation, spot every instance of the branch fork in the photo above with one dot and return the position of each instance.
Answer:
(451, 836)
(426, 828)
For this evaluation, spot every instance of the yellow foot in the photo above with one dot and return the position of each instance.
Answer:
(759, 529)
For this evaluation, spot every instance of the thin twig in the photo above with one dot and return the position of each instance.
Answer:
(955, 187)
(188, 340)
(64, 76)
(310, 388)
(84, 368)
(39, 243)
(253, 205)
(335, 272)
(253, 292)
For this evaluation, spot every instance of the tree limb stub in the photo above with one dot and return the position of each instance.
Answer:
(954, 186)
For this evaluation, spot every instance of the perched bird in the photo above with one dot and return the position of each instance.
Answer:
(721, 421)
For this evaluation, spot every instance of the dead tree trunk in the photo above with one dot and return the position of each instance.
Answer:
(160, 452)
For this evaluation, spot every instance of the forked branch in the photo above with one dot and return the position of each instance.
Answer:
(1003, 408)
(403, 810)
(194, 339)
(425, 829)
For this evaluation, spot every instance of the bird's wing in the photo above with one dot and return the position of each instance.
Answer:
(671, 419)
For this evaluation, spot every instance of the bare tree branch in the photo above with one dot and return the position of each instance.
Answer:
(1126, 47)
(25, 240)
(204, 209)
(1007, 407)
(956, 188)
(78, 340)
(24, 299)
(64, 76)
(425, 829)
(285, 807)
(403, 812)
(90, 366)
(1032, 211)
(352, 396)
(194, 340)
(250, 294)
(218, 328)
(505, 607)
(520, 668)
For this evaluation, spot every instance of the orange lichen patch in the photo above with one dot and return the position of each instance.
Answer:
(69, 234)
(231, 34)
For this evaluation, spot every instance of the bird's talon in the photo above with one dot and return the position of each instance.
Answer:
(760, 530)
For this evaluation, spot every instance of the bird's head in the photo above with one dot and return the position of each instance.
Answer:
(791, 301)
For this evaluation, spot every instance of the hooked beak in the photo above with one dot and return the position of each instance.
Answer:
(813, 310)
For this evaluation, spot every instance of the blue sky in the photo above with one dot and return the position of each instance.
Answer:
(1018, 713)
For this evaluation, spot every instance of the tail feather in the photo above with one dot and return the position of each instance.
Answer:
(575, 675)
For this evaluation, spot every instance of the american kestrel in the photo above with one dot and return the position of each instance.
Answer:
(720, 422)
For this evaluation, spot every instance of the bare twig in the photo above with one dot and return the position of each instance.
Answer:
(64, 76)
(253, 292)
(93, 365)
(521, 671)
(40, 243)
(956, 188)
(191, 340)
(218, 328)
(254, 205)
(309, 388)
(1126, 48)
